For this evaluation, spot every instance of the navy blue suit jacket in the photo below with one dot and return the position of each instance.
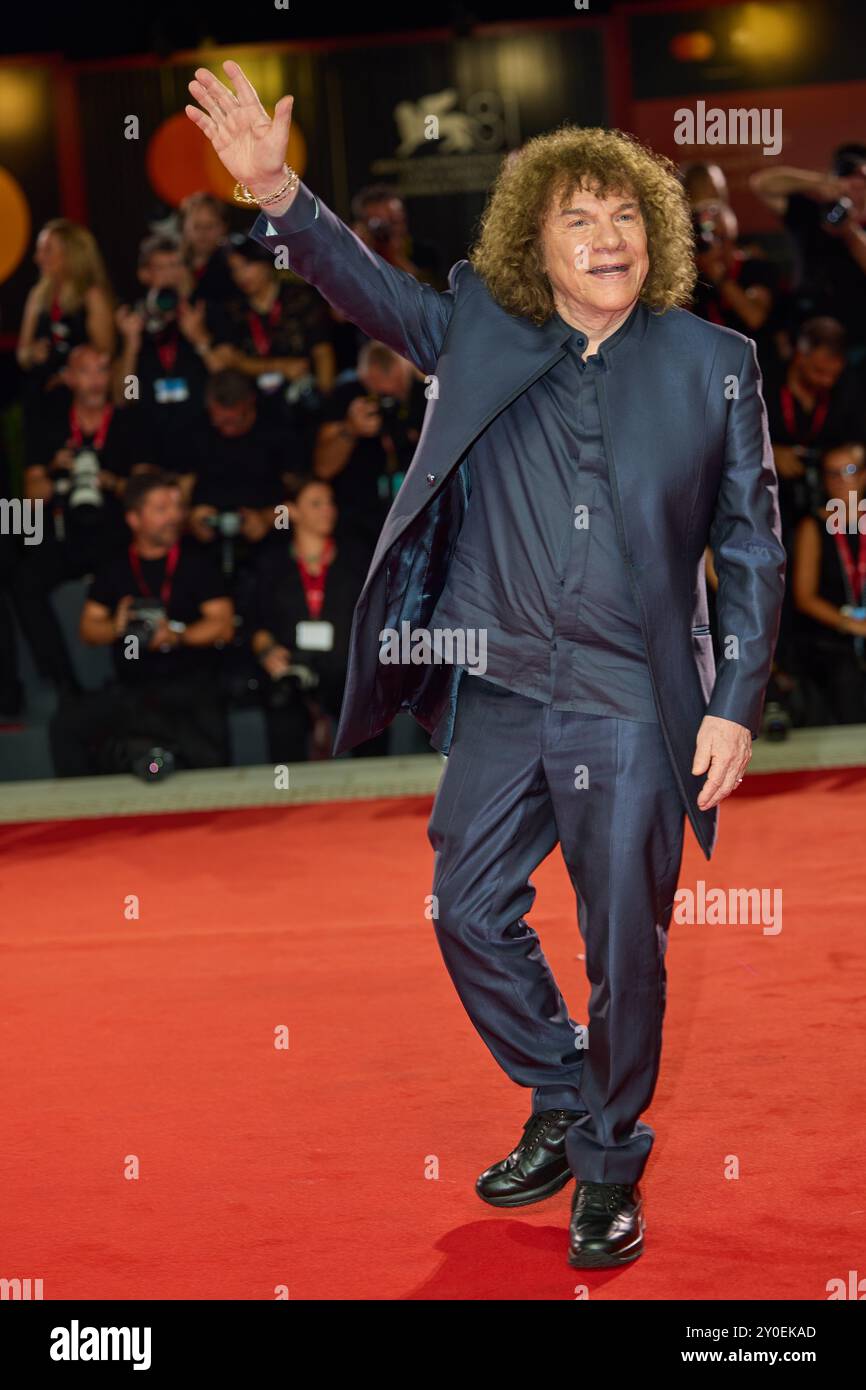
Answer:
(686, 439)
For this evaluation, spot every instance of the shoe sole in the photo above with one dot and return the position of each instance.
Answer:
(519, 1200)
(602, 1261)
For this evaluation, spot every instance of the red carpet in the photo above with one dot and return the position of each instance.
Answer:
(306, 1167)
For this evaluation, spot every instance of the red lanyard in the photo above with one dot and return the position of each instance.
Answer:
(59, 330)
(262, 339)
(855, 595)
(314, 584)
(166, 347)
(76, 434)
(170, 567)
(819, 414)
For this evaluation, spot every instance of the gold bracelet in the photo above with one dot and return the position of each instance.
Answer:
(242, 194)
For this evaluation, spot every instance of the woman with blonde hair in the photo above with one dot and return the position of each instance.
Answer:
(71, 303)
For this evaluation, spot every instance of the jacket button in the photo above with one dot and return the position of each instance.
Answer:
(431, 478)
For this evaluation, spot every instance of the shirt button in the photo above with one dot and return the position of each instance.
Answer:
(431, 478)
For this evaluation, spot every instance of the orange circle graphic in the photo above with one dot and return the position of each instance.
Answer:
(15, 224)
(181, 160)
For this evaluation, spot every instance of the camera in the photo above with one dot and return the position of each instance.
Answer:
(226, 524)
(159, 309)
(834, 214)
(704, 229)
(145, 618)
(81, 486)
(297, 680)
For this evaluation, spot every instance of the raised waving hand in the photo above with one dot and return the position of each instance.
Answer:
(250, 144)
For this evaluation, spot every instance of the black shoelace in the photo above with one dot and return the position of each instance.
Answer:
(538, 1125)
(602, 1196)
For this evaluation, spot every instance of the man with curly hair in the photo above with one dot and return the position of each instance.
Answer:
(586, 438)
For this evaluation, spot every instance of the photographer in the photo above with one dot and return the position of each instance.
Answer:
(276, 331)
(306, 591)
(166, 344)
(367, 437)
(162, 606)
(830, 593)
(79, 458)
(813, 402)
(825, 216)
(234, 465)
(381, 222)
(733, 288)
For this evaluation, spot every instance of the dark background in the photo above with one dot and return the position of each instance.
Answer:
(69, 77)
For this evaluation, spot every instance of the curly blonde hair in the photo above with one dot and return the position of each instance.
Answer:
(548, 169)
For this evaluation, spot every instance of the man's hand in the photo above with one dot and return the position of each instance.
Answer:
(109, 482)
(192, 321)
(277, 662)
(250, 145)
(363, 418)
(130, 324)
(163, 638)
(723, 750)
(121, 615)
(198, 523)
(788, 461)
(255, 523)
(222, 356)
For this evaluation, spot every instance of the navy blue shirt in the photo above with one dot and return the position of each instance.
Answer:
(538, 566)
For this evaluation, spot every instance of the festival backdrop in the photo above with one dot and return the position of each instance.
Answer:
(109, 144)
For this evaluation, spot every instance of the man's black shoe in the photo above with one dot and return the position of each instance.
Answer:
(538, 1166)
(607, 1224)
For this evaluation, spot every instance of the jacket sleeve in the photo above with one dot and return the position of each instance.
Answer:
(746, 541)
(387, 304)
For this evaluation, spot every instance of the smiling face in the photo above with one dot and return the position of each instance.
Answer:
(595, 255)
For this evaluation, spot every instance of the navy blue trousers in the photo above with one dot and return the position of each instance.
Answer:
(521, 777)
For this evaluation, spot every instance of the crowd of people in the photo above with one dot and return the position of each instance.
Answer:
(216, 457)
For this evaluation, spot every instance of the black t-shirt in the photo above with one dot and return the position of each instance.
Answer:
(838, 419)
(195, 580)
(372, 477)
(747, 272)
(829, 281)
(292, 328)
(245, 471)
(213, 281)
(127, 442)
(171, 381)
